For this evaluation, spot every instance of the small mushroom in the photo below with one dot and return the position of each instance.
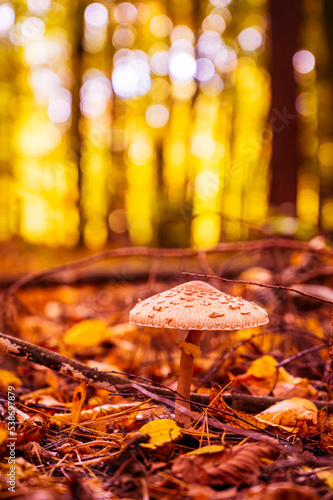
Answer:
(223, 312)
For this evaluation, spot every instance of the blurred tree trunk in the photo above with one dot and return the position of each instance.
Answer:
(326, 108)
(285, 158)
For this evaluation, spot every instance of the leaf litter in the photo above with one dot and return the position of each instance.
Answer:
(76, 440)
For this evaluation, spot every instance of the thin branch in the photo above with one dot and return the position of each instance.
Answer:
(276, 287)
(301, 354)
(159, 253)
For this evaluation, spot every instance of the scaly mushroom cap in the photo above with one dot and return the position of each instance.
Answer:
(195, 305)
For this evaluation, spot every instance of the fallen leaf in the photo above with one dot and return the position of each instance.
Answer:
(263, 375)
(190, 469)
(160, 432)
(241, 464)
(237, 465)
(86, 333)
(79, 397)
(207, 450)
(325, 426)
(281, 491)
(7, 379)
(294, 415)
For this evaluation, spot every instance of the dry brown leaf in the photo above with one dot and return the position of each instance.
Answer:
(33, 450)
(294, 415)
(190, 469)
(241, 464)
(237, 418)
(280, 491)
(237, 465)
(30, 428)
(325, 426)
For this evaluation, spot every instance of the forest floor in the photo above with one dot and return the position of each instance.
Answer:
(87, 399)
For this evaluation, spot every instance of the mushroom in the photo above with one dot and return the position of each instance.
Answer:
(195, 306)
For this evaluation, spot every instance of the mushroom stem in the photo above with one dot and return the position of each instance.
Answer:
(185, 379)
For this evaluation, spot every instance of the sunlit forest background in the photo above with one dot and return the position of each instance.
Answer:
(165, 123)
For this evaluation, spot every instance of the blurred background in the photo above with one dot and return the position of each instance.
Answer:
(165, 123)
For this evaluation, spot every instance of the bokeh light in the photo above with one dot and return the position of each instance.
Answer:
(94, 95)
(140, 152)
(157, 115)
(159, 109)
(250, 39)
(96, 16)
(7, 18)
(203, 146)
(205, 69)
(182, 66)
(131, 76)
(159, 63)
(60, 106)
(161, 26)
(303, 62)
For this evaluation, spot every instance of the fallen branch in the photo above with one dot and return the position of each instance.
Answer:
(114, 382)
(158, 253)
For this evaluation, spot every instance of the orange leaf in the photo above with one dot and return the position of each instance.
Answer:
(325, 426)
(294, 415)
(263, 373)
(78, 401)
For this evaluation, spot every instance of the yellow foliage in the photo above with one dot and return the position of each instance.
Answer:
(8, 378)
(160, 432)
(207, 450)
(87, 333)
(263, 375)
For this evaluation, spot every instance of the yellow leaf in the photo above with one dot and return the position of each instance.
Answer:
(263, 367)
(160, 432)
(262, 376)
(295, 415)
(8, 378)
(189, 348)
(87, 333)
(325, 475)
(206, 450)
(78, 401)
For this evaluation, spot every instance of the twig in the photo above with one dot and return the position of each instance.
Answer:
(301, 354)
(276, 287)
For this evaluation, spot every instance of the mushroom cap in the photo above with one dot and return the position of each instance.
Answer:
(195, 305)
